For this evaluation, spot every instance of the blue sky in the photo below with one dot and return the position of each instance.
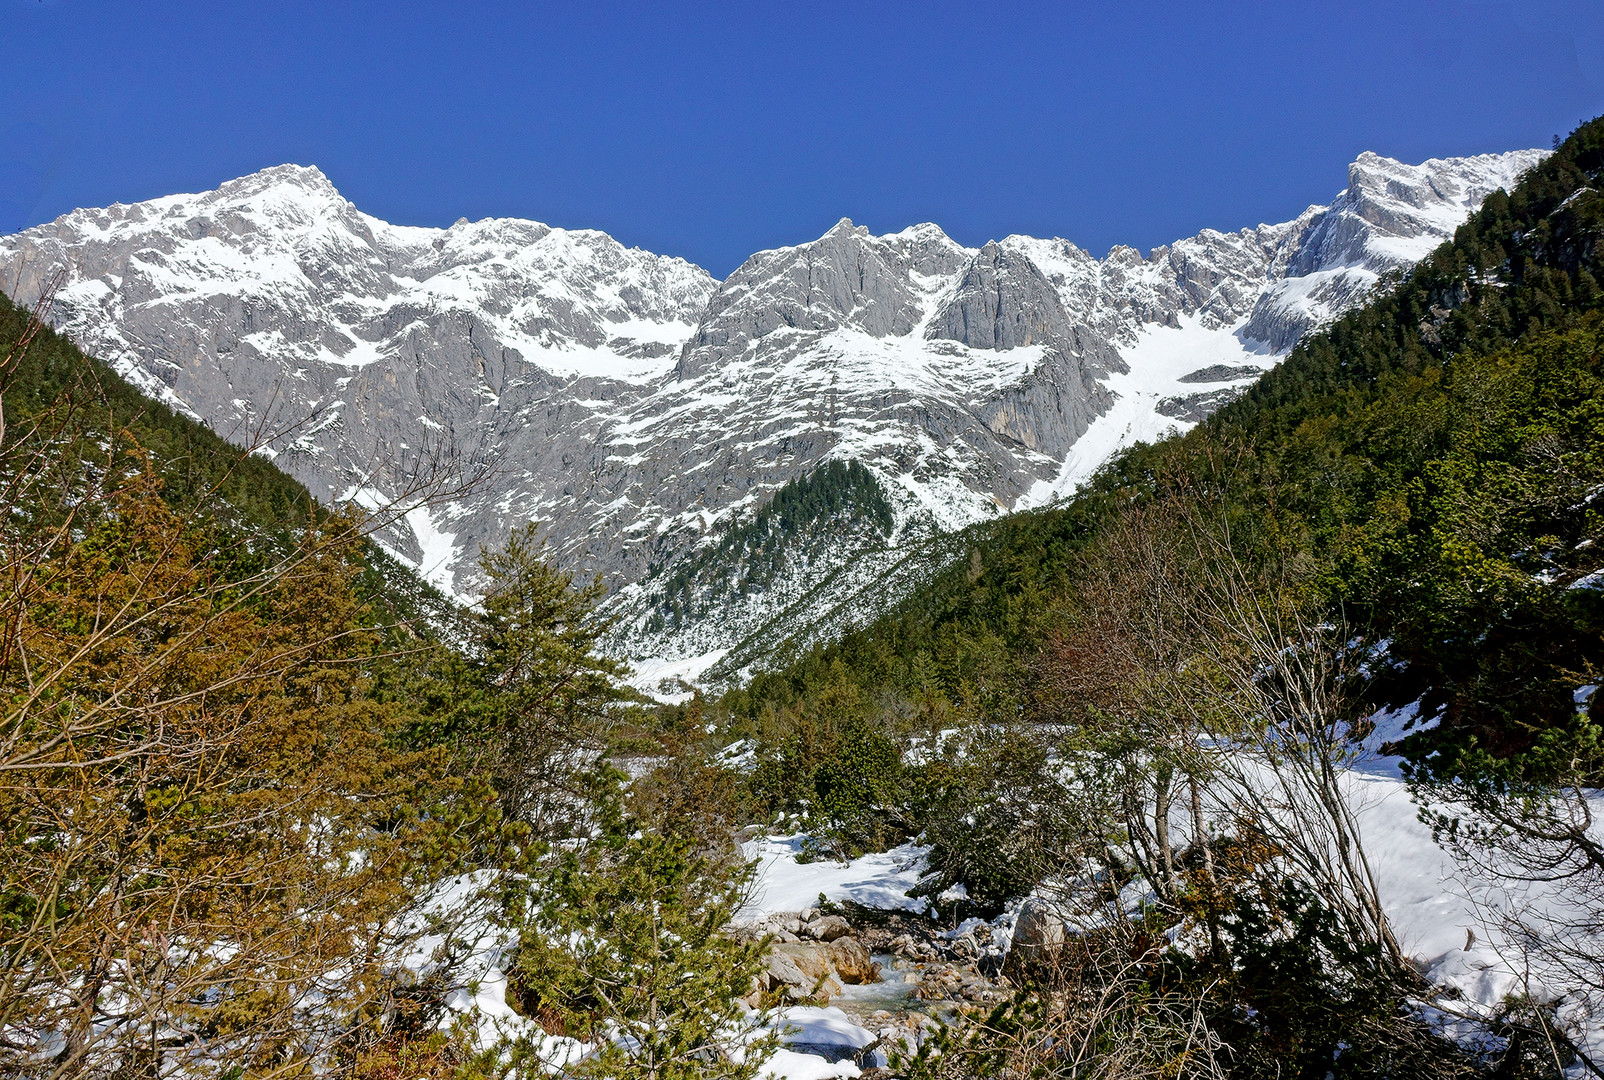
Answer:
(714, 130)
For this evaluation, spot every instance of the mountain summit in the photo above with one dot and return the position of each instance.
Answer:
(641, 409)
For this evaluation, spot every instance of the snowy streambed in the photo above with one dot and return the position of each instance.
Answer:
(1438, 913)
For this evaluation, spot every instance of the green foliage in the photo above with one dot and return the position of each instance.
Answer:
(1428, 471)
(1473, 539)
(833, 489)
(1101, 1013)
(1432, 459)
(1296, 998)
(963, 640)
(806, 519)
(526, 700)
(985, 1049)
(242, 742)
(840, 767)
(993, 818)
(622, 944)
(1302, 998)
(1432, 463)
(89, 415)
(540, 632)
(200, 797)
(1291, 995)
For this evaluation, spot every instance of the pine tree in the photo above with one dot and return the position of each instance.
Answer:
(623, 946)
(548, 696)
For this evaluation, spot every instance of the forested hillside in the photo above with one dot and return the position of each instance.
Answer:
(1440, 428)
(53, 391)
(52, 377)
(1390, 542)
(802, 522)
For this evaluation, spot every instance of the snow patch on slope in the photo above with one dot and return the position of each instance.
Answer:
(437, 563)
(1160, 358)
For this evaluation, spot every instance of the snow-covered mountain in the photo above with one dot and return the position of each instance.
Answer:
(640, 409)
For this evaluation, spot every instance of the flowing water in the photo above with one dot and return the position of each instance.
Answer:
(890, 994)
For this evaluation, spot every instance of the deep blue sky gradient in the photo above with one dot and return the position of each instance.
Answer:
(714, 130)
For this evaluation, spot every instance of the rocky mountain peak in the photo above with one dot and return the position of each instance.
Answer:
(308, 178)
(1390, 215)
(639, 409)
(1002, 302)
(846, 279)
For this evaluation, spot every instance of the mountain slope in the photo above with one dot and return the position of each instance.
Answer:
(1431, 461)
(639, 409)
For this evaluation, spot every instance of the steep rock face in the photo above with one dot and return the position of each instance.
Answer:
(1002, 302)
(843, 279)
(637, 407)
(1389, 217)
(1214, 277)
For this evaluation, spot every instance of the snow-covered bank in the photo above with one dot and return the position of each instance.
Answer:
(1442, 915)
(785, 883)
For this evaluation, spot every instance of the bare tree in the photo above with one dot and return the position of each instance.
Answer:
(1222, 691)
(1284, 673)
(1093, 1012)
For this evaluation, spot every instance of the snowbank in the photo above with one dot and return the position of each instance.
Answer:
(783, 884)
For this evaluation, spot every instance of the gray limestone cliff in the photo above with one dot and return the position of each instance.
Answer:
(638, 408)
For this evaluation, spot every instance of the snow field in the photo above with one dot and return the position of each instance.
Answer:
(1161, 356)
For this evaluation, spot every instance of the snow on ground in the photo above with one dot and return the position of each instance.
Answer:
(877, 880)
(802, 1026)
(457, 925)
(821, 1027)
(460, 929)
(647, 675)
(790, 1065)
(1435, 909)
(1421, 889)
(1440, 912)
(1425, 897)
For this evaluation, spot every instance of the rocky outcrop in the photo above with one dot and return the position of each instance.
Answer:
(827, 928)
(927, 965)
(812, 957)
(1390, 216)
(1039, 935)
(1002, 302)
(845, 279)
(1193, 408)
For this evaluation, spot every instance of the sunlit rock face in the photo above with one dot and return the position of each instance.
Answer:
(636, 406)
